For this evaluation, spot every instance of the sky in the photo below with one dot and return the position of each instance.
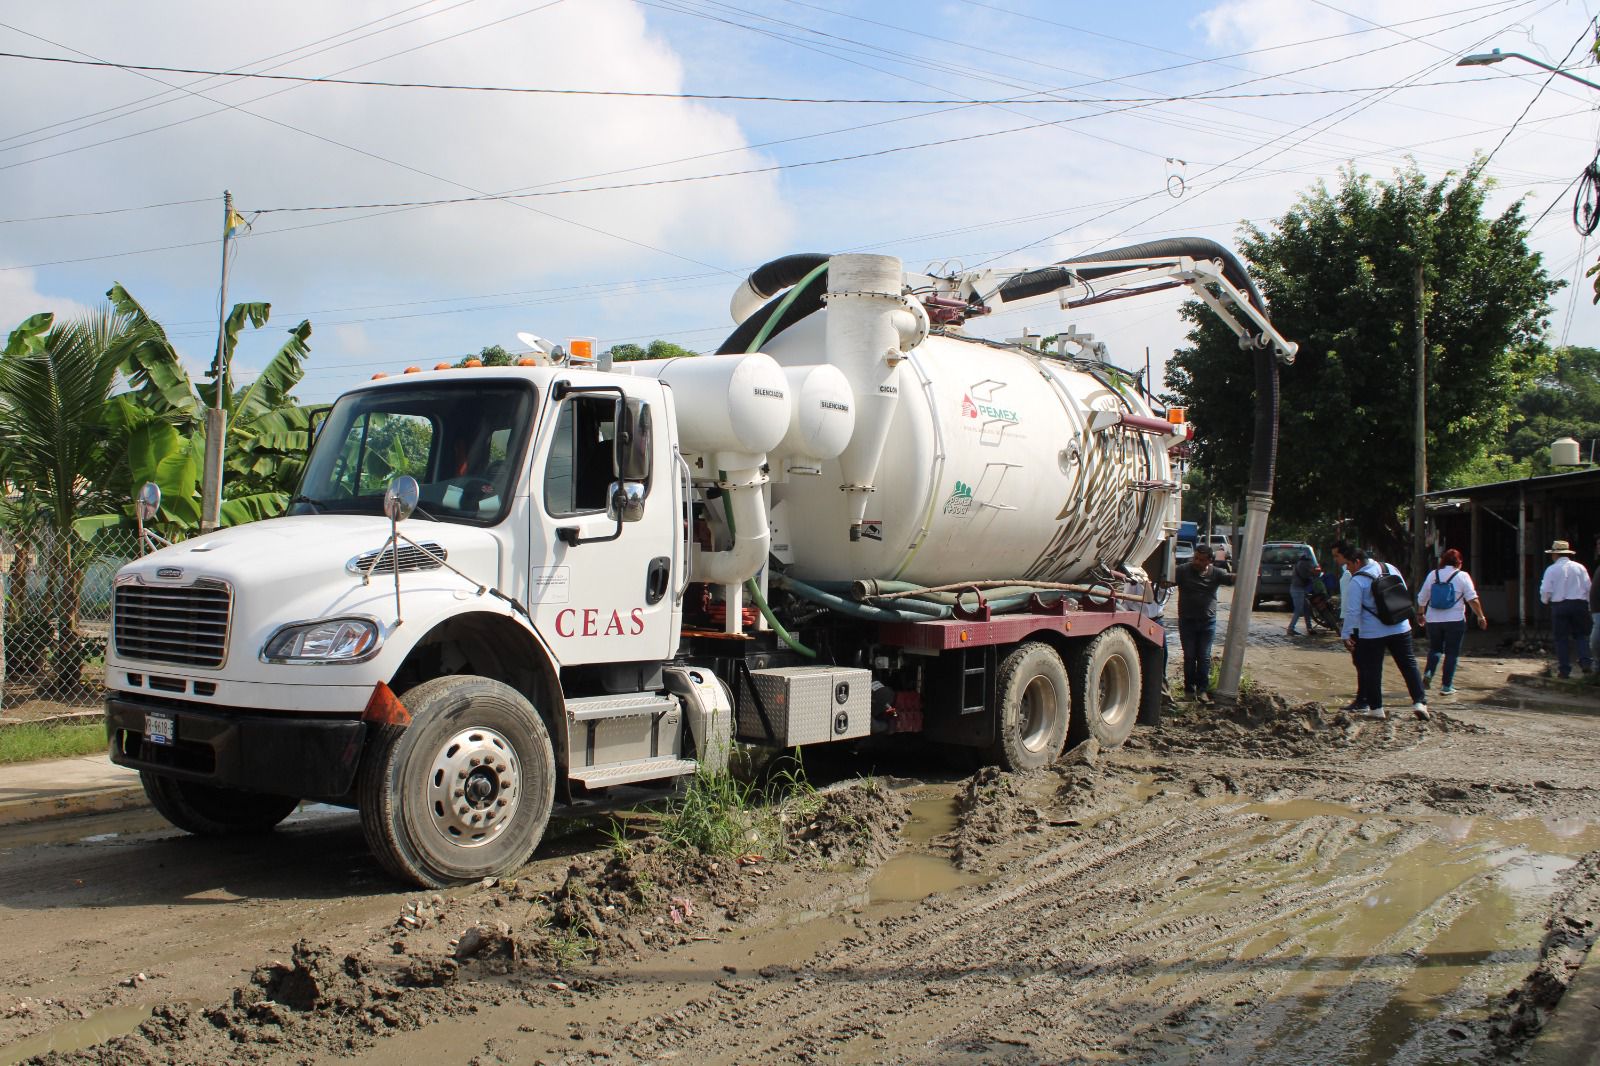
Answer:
(110, 174)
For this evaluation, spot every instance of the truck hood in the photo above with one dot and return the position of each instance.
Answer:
(311, 550)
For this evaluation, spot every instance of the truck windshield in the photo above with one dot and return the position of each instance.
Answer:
(462, 441)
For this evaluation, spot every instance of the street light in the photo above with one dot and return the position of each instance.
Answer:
(1484, 59)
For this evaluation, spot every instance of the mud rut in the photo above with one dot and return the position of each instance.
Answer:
(1279, 884)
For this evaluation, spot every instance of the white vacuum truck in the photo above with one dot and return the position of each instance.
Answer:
(501, 590)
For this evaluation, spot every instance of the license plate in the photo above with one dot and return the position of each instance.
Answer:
(160, 728)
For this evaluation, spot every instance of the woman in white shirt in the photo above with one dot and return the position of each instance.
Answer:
(1446, 593)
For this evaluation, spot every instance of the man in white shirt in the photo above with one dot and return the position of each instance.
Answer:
(1566, 589)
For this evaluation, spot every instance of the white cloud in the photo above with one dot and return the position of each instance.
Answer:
(20, 298)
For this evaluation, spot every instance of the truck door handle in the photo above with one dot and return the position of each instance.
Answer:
(657, 579)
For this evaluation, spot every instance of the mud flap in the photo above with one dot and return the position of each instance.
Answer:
(1152, 681)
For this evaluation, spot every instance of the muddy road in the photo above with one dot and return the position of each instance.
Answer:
(1277, 883)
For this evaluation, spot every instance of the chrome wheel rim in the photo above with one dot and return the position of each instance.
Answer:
(1041, 707)
(472, 788)
(1116, 693)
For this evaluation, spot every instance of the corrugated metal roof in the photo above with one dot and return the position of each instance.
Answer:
(1543, 483)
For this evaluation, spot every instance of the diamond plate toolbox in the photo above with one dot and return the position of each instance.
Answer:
(807, 704)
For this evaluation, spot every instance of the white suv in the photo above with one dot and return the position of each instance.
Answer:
(1219, 549)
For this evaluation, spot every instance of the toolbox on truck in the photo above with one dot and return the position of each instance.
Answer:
(805, 704)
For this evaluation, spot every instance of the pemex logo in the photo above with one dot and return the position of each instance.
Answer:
(959, 502)
(968, 408)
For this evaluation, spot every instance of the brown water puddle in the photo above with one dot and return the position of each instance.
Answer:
(916, 875)
(97, 1028)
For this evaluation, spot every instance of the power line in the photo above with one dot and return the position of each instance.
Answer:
(735, 97)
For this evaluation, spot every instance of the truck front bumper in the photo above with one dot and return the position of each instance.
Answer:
(302, 756)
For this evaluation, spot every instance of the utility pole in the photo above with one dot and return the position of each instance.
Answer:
(216, 416)
(1419, 513)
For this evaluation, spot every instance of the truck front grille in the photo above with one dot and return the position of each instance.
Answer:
(186, 625)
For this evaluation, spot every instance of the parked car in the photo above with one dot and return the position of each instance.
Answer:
(1221, 552)
(1182, 552)
(1277, 564)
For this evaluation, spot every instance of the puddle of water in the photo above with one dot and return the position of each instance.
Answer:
(929, 818)
(908, 878)
(95, 1029)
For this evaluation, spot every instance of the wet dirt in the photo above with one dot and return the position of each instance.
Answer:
(1275, 883)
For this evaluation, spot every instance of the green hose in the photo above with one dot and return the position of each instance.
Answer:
(754, 589)
(788, 298)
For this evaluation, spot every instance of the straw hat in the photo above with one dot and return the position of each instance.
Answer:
(1560, 547)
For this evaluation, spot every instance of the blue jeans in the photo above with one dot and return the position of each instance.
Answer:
(1570, 621)
(1298, 597)
(1197, 635)
(1594, 636)
(1444, 638)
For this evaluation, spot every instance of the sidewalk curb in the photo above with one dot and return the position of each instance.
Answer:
(1573, 1035)
(97, 801)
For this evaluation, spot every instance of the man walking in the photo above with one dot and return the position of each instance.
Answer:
(1566, 588)
(1300, 578)
(1369, 637)
(1197, 620)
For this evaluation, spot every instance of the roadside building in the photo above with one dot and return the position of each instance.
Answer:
(1503, 528)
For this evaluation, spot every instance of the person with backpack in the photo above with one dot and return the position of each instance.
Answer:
(1446, 593)
(1377, 620)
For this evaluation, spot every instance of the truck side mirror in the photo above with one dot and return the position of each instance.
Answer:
(627, 501)
(633, 443)
(147, 504)
(400, 499)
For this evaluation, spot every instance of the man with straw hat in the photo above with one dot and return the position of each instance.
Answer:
(1566, 589)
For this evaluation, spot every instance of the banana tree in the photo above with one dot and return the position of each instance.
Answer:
(163, 419)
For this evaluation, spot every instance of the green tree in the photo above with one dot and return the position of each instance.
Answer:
(1563, 402)
(1338, 273)
(55, 384)
(161, 422)
(490, 355)
(659, 349)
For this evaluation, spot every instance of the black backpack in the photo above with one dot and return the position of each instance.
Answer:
(1392, 598)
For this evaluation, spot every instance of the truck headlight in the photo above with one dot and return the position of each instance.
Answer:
(331, 640)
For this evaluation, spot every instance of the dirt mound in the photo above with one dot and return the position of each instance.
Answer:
(852, 826)
(320, 1000)
(1570, 932)
(1264, 724)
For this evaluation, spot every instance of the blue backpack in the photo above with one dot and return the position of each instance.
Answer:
(1442, 596)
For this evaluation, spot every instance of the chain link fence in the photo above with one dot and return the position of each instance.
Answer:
(57, 618)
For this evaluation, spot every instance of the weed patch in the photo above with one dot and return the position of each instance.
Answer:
(31, 742)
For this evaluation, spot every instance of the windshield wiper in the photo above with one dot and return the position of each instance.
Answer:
(318, 504)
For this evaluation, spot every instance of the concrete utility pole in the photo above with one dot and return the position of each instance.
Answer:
(216, 417)
(1419, 513)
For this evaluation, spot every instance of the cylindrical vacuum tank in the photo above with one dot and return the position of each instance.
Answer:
(990, 470)
(725, 403)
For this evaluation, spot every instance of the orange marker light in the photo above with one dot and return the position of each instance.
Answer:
(413, 370)
(441, 366)
(580, 348)
(473, 362)
(379, 375)
(1175, 415)
(527, 360)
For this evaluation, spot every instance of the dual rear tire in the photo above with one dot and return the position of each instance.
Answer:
(1037, 694)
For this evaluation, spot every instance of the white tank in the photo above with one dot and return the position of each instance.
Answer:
(1565, 451)
(990, 471)
(726, 403)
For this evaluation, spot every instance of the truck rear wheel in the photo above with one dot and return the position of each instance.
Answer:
(462, 793)
(1032, 689)
(214, 812)
(1106, 687)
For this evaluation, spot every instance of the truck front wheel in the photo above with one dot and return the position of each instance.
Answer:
(1106, 687)
(1033, 708)
(214, 812)
(462, 793)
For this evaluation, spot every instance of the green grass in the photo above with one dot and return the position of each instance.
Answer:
(720, 815)
(29, 743)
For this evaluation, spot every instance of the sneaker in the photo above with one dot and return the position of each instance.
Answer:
(1354, 707)
(1377, 714)
(1420, 709)
(1188, 693)
(1427, 679)
(1448, 690)
(1205, 698)
(1294, 633)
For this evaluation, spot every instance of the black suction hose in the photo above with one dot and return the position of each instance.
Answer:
(770, 280)
(1264, 449)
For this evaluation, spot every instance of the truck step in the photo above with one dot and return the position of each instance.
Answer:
(628, 772)
(625, 705)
